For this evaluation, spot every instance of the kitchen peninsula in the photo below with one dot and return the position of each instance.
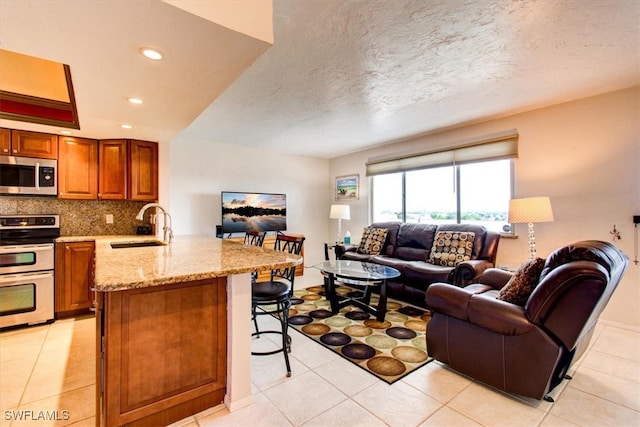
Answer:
(173, 326)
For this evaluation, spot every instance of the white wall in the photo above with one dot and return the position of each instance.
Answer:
(199, 170)
(584, 155)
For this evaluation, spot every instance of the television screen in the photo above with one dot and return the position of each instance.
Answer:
(242, 212)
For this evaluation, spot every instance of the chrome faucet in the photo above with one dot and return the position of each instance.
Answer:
(168, 232)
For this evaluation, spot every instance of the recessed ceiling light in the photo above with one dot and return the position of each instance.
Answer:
(126, 126)
(151, 53)
(135, 100)
(65, 132)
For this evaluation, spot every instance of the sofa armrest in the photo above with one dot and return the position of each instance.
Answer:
(468, 270)
(448, 299)
(470, 305)
(495, 277)
(342, 248)
(498, 316)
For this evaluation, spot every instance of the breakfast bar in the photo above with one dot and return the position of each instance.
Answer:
(173, 326)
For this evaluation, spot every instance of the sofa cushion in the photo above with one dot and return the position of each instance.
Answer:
(392, 235)
(414, 241)
(356, 256)
(479, 230)
(396, 263)
(372, 241)
(421, 274)
(519, 287)
(363, 239)
(450, 248)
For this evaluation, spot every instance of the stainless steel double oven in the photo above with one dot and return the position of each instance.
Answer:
(27, 269)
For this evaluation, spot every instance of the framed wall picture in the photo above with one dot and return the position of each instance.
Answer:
(347, 187)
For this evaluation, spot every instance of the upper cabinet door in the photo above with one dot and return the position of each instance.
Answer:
(5, 142)
(113, 169)
(143, 170)
(34, 144)
(78, 168)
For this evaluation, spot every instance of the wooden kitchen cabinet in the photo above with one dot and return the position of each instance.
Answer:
(5, 142)
(162, 352)
(33, 144)
(78, 168)
(113, 169)
(143, 171)
(88, 169)
(128, 170)
(74, 278)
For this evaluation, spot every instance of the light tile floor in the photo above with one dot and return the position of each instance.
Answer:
(49, 371)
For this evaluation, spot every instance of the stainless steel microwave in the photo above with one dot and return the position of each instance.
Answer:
(28, 176)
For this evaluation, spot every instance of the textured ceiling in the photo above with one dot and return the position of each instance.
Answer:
(342, 75)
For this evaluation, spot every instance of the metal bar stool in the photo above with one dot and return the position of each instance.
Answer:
(273, 297)
(254, 238)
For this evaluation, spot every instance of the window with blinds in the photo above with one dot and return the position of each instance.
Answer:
(470, 183)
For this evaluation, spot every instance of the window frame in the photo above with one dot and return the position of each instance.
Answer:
(458, 196)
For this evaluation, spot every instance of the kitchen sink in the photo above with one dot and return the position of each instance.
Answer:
(139, 244)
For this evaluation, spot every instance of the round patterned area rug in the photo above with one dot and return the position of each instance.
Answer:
(389, 350)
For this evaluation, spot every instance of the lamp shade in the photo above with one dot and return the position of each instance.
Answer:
(340, 212)
(530, 210)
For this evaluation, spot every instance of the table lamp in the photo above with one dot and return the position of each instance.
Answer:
(529, 210)
(340, 212)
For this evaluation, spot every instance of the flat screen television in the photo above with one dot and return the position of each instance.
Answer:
(242, 212)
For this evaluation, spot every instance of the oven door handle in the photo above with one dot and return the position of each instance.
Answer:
(13, 278)
(31, 248)
(37, 176)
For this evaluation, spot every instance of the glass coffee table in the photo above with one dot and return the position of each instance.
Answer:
(360, 274)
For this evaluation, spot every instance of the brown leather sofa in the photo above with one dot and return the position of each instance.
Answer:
(525, 350)
(408, 247)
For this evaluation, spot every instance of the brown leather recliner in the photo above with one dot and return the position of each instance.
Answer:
(525, 350)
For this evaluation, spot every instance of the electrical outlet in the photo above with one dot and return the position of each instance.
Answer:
(109, 219)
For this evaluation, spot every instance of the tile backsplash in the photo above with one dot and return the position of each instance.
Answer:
(79, 217)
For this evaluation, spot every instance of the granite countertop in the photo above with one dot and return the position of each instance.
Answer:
(187, 258)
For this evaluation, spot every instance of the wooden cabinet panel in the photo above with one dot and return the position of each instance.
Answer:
(78, 168)
(113, 169)
(143, 170)
(74, 277)
(34, 144)
(128, 169)
(164, 352)
(5, 142)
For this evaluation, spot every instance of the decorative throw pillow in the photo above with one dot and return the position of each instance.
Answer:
(522, 283)
(373, 240)
(450, 248)
(363, 240)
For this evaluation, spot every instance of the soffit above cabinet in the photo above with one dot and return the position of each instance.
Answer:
(36, 90)
(100, 41)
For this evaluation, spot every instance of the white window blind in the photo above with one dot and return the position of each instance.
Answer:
(502, 147)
